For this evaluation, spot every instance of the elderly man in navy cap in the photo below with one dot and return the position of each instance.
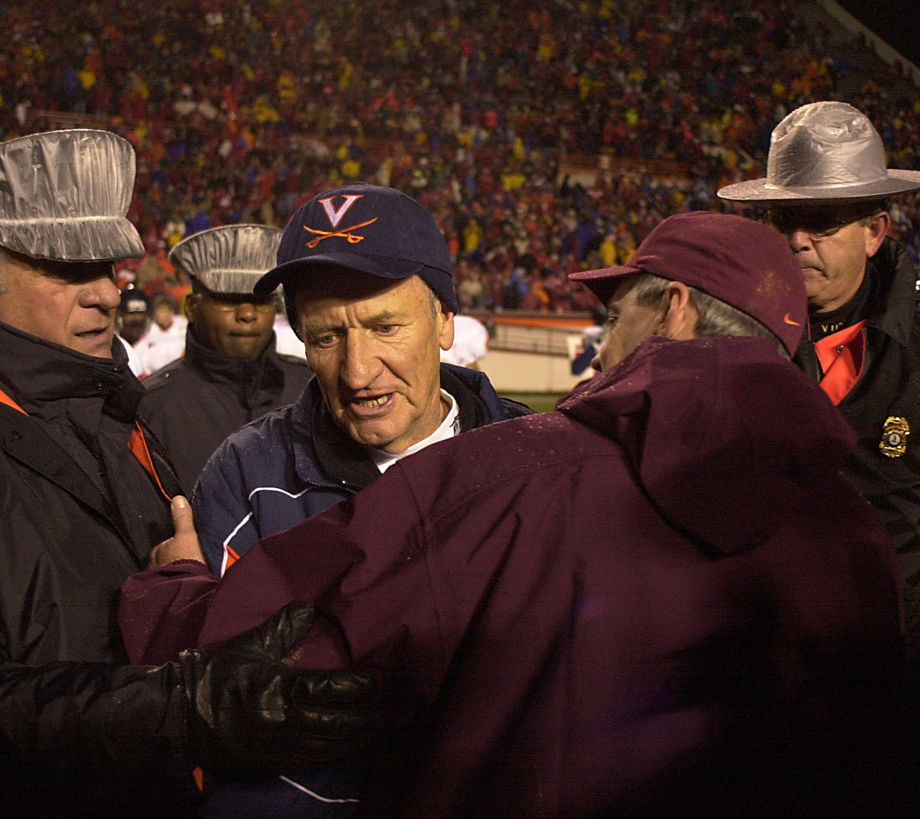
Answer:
(84, 493)
(662, 599)
(826, 190)
(231, 373)
(368, 287)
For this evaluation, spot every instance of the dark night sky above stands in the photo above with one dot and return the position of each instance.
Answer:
(895, 21)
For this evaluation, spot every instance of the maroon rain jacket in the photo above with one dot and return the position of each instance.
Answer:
(661, 598)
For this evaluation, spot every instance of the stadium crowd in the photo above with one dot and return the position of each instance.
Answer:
(696, 509)
(241, 112)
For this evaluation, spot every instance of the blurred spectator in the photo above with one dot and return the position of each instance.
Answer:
(165, 340)
(471, 342)
(132, 322)
(133, 315)
(657, 104)
(286, 341)
(590, 343)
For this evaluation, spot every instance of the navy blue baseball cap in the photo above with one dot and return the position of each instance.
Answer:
(369, 228)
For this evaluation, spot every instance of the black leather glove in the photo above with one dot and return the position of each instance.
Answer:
(249, 710)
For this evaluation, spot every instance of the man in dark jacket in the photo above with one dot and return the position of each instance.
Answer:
(374, 304)
(231, 373)
(662, 599)
(84, 493)
(826, 189)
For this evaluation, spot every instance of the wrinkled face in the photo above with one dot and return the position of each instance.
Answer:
(233, 324)
(831, 244)
(375, 347)
(68, 303)
(628, 325)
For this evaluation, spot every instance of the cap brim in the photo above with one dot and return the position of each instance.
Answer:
(759, 190)
(392, 269)
(73, 240)
(603, 280)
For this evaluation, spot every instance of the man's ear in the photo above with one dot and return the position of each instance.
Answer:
(681, 315)
(876, 231)
(191, 307)
(445, 322)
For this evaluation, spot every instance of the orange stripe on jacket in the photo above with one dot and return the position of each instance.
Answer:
(137, 444)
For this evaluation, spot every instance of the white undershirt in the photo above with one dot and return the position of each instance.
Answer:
(450, 426)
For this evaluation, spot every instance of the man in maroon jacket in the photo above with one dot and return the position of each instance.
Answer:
(660, 599)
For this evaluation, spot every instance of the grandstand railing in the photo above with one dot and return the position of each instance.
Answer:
(540, 333)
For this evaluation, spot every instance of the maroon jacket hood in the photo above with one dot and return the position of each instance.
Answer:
(709, 454)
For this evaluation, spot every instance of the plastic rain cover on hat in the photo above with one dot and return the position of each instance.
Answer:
(64, 196)
(228, 259)
(824, 150)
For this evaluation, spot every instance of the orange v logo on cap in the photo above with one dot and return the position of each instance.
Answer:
(788, 319)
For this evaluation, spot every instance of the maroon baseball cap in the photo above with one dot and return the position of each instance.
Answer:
(739, 261)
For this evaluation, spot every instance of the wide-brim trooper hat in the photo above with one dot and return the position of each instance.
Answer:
(821, 151)
(64, 195)
(228, 259)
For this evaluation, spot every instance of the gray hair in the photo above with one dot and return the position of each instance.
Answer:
(717, 318)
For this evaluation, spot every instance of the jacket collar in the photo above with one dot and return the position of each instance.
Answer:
(36, 373)
(348, 463)
(253, 380)
(893, 298)
(222, 367)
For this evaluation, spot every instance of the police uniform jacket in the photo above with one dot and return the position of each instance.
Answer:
(79, 514)
(195, 402)
(886, 463)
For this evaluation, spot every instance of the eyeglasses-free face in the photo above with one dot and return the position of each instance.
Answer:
(238, 325)
(68, 303)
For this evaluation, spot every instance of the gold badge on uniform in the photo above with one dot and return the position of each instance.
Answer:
(894, 436)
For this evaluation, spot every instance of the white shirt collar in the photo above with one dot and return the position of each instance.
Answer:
(450, 426)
